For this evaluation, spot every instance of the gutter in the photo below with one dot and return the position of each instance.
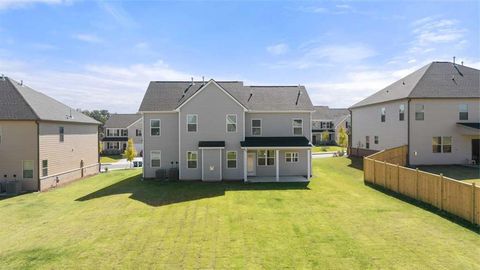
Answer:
(408, 131)
(38, 154)
(350, 135)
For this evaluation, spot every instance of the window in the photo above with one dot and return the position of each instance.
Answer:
(297, 125)
(232, 159)
(266, 157)
(463, 111)
(375, 139)
(0, 134)
(383, 112)
(44, 167)
(124, 132)
(61, 133)
(108, 132)
(231, 123)
(138, 132)
(192, 122)
(116, 132)
(27, 169)
(256, 127)
(401, 112)
(155, 159)
(316, 124)
(419, 112)
(442, 144)
(291, 157)
(367, 142)
(192, 157)
(154, 127)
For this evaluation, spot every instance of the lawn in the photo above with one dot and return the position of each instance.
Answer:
(110, 159)
(328, 148)
(463, 173)
(115, 220)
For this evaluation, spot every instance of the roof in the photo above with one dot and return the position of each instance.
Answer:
(20, 102)
(435, 80)
(169, 95)
(336, 115)
(293, 141)
(207, 144)
(114, 139)
(470, 125)
(121, 120)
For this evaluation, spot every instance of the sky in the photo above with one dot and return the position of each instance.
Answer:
(103, 54)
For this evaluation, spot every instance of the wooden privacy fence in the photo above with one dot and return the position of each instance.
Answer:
(447, 194)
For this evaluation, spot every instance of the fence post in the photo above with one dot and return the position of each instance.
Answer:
(416, 184)
(441, 191)
(473, 203)
(384, 174)
(374, 161)
(398, 178)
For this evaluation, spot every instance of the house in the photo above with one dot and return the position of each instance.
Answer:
(226, 130)
(434, 110)
(118, 129)
(330, 120)
(43, 143)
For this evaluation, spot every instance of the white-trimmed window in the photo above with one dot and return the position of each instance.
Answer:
(419, 112)
(138, 132)
(44, 167)
(1, 135)
(291, 157)
(124, 132)
(442, 144)
(383, 114)
(256, 127)
(375, 139)
(297, 125)
(155, 159)
(192, 123)
(27, 167)
(155, 127)
(463, 112)
(266, 157)
(232, 159)
(367, 142)
(61, 134)
(192, 159)
(401, 112)
(231, 123)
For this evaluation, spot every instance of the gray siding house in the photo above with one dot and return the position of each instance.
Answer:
(226, 130)
(434, 110)
(118, 129)
(330, 120)
(43, 143)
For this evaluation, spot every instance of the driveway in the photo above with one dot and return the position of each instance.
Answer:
(120, 164)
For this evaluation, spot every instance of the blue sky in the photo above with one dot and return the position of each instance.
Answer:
(100, 54)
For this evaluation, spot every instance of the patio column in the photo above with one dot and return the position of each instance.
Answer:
(309, 157)
(245, 165)
(277, 165)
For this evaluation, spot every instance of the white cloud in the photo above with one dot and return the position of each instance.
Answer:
(90, 38)
(118, 13)
(8, 4)
(116, 88)
(278, 49)
(430, 31)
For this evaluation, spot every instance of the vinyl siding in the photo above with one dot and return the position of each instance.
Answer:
(278, 124)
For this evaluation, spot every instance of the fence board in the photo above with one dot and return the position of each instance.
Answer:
(458, 198)
(368, 169)
(477, 205)
(406, 181)
(379, 173)
(429, 188)
(392, 177)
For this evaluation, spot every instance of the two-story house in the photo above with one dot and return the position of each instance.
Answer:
(43, 143)
(118, 129)
(227, 131)
(434, 110)
(331, 120)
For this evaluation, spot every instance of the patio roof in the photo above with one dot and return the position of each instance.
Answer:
(470, 125)
(293, 141)
(114, 139)
(213, 144)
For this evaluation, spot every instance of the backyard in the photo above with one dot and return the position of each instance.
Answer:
(463, 173)
(115, 220)
(327, 148)
(110, 158)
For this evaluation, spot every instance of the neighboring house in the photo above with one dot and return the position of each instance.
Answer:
(227, 131)
(434, 110)
(329, 120)
(118, 129)
(43, 143)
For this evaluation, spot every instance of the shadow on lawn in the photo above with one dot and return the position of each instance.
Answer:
(356, 163)
(158, 193)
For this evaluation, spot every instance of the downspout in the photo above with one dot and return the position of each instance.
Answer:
(99, 149)
(350, 134)
(38, 155)
(408, 132)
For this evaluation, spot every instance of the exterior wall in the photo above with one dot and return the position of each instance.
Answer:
(345, 125)
(65, 159)
(285, 169)
(19, 142)
(212, 162)
(366, 122)
(167, 142)
(440, 118)
(211, 105)
(137, 140)
(278, 124)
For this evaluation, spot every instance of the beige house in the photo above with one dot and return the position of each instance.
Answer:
(434, 110)
(330, 120)
(43, 143)
(118, 129)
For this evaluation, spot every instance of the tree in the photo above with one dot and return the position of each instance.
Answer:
(343, 138)
(325, 136)
(130, 153)
(99, 115)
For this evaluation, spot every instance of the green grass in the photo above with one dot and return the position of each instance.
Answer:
(110, 159)
(115, 220)
(331, 148)
(463, 173)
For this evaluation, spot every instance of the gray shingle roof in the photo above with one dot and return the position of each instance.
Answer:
(435, 80)
(168, 95)
(336, 115)
(20, 102)
(121, 120)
